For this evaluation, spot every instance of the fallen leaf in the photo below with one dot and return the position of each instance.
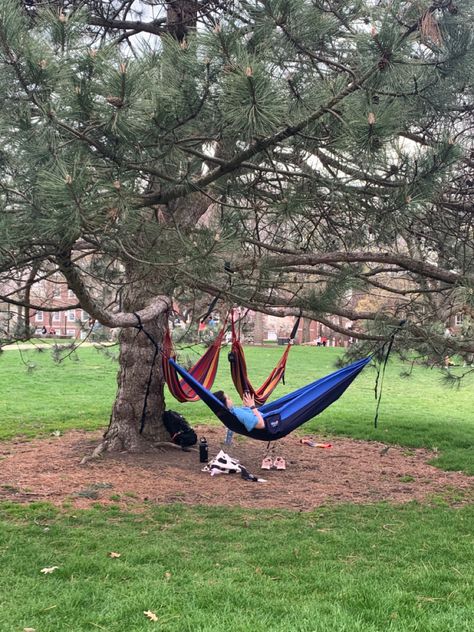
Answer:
(29, 629)
(167, 576)
(113, 554)
(151, 615)
(49, 569)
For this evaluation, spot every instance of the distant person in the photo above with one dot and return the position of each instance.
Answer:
(211, 323)
(44, 331)
(324, 341)
(448, 362)
(201, 329)
(52, 331)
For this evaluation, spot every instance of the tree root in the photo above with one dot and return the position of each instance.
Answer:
(98, 451)
(165, 444)
(161, 445)
(104, 446)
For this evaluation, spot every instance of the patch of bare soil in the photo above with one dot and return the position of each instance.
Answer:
(349, 471)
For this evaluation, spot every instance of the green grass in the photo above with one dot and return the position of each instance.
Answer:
(77, 393)
(339, 569)
(416, 412)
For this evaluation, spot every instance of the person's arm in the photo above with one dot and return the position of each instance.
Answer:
(248, 400)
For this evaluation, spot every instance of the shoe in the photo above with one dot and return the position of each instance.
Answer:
(279, 463)
(267, 463)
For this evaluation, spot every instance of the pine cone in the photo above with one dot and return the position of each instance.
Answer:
(117, 102)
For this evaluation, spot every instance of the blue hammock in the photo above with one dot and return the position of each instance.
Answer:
(288, 412)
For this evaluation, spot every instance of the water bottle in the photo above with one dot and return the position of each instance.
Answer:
(203, 450)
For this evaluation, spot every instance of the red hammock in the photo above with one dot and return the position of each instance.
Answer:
(238, 369)
(204, 371)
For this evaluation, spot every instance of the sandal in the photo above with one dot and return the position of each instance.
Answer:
(279, 463)
(267, 463)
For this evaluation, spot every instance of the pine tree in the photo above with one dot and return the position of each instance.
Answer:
(284, 155)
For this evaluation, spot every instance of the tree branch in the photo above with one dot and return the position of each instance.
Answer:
(293, 258)
(107, 318)
(255, 148)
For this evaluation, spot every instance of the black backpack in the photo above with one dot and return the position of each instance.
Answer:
(180, 431)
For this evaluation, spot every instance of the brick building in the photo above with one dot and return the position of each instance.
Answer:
(54, 293)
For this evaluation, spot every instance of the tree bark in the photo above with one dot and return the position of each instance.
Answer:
(258, 329)
(181, 18)
(137, 362)
(306, 334)
(140, 377)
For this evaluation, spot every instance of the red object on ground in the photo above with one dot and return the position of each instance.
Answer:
(313, 444)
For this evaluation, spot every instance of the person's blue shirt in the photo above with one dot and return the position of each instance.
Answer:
(246, 416)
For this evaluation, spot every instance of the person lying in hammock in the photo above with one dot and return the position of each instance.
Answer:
(251, 418)
(248, 414)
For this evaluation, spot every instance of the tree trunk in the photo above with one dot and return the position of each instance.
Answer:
(140, 370)
(306, 335)
(181, 16)
(137, 352)
(258, 329)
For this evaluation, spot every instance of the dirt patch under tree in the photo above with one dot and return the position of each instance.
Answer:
(349, 471)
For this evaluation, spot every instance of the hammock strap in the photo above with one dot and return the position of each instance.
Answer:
(294, 331)
(210, 308)
(381, 371)
(140, 328)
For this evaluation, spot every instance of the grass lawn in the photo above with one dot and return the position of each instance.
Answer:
(351, 569)
(415, 412)
(337, 569)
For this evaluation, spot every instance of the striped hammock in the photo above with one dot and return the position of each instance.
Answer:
(238, 369)
(204, 371)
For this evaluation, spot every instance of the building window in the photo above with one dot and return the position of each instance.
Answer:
(458, 319)
(71, 332)
(85, 316)
(56, 290)
(56, 317)
(71, 316)
(39, 317)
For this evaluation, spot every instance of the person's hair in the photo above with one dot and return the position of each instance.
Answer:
(221, 396)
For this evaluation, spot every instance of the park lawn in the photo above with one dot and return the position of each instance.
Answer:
(39, 396)
(415, 412)
(338, 569)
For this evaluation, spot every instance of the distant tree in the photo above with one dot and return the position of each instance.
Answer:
(288, 156)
